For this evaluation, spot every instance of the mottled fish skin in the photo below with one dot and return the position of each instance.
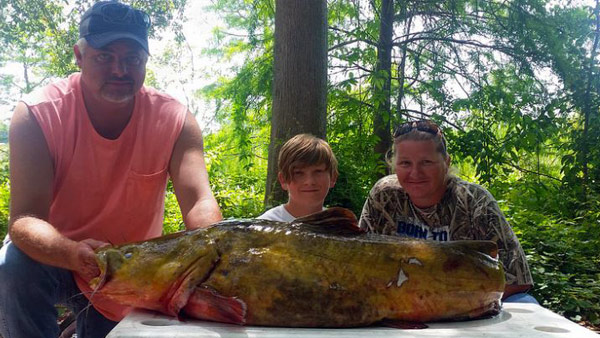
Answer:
(259, 272)
(158, 274)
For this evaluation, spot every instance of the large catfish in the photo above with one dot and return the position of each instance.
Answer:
(319, 271)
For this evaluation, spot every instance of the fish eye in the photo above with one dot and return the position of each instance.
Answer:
(128, 255)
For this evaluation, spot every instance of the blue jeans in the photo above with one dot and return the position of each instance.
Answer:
(28, 292)
(521, 298)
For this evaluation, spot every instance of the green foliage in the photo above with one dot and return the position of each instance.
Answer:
(562, 250)
(237, 154)
(172, 216)
(237, 181)
(3, 133)
(4, 191)
(350, 138)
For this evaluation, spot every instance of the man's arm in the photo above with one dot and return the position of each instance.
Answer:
(198, 206)
(31, 179)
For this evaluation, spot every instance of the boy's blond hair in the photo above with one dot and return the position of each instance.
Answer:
(303, 150)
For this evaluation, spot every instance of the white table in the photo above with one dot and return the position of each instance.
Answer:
(516, 320)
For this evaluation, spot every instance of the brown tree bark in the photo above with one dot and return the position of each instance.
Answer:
(381, 92)
(588, 106)
(300, 80)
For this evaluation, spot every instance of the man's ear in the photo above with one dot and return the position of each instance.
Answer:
(78, 55)
(282, 181)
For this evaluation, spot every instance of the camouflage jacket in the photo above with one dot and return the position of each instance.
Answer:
(467, 211)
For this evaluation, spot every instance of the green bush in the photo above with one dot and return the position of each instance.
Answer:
(172, 218)
(236, 195)
(4, 191)
(237, 170)
(239, 196)
(561, 247)
(564, 263)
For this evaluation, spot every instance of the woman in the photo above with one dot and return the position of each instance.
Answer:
(423, 201)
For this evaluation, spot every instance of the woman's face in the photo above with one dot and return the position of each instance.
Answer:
(421, 171)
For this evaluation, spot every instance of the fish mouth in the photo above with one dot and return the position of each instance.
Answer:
(99, 281)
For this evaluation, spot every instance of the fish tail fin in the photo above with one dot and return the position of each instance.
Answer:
(207, 304)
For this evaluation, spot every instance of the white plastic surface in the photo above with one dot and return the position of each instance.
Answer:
(516, 320)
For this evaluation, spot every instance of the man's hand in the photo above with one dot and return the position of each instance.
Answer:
(84, 259)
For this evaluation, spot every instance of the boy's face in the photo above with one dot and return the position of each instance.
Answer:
(309, 185)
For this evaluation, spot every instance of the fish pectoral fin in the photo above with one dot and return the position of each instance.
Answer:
(335, 220)
(208, 304)
(181, 290)
(402, 324)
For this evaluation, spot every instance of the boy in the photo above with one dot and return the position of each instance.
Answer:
(307, 170)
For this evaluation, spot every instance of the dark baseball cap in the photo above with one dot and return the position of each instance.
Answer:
(108, 21)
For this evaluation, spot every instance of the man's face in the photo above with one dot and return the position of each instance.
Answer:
(113, 73)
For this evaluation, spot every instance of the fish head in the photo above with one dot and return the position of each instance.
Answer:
(110, 261)
(157, 274)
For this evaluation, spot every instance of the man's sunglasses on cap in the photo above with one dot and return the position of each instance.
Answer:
(118, 13)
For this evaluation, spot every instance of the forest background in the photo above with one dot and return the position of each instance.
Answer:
(515, 85)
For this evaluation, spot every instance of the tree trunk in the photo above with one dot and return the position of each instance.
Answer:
(402, 69)
(300, 80)
(588, 106)
(382, 82)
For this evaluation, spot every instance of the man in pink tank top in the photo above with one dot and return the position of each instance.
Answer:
(90, 157)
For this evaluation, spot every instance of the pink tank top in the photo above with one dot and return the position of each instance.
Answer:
(109, 190)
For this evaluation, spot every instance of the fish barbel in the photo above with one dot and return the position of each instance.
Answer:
(319, 271)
